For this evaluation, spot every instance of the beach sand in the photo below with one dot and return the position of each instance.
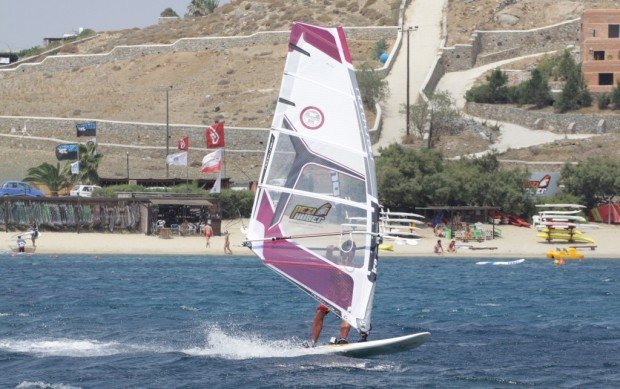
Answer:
(516, 242)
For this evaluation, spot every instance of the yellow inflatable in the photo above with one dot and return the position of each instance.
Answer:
(386, 247)
(571, 253)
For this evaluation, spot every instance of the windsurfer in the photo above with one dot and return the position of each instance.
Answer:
(347, 254)
(317, 326)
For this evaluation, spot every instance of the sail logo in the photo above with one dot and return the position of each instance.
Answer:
(312, 118)
(306, 213)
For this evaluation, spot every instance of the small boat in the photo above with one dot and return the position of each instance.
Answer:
(570, 253)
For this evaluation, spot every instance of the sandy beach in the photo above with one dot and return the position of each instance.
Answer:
(516, 242)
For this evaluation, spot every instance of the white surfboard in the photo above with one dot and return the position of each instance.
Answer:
(501, 263)
(375, 347)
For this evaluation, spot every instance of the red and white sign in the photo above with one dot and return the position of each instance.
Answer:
(183, 143)
(212, 163)
(215, 135)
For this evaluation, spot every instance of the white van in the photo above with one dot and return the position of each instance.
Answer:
(83, 190)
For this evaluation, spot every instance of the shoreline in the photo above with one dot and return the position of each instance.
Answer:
(516, 242)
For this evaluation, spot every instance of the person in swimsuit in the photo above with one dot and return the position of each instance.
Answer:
(21, 244)
(208, 234)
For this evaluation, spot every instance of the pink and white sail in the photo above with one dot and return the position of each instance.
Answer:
(318, 175)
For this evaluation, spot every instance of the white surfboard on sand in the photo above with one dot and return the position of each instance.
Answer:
(375, 347)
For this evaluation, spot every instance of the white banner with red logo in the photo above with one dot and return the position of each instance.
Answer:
(212, 163)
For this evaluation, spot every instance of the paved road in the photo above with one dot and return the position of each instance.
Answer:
(512, 135)
(424, 46)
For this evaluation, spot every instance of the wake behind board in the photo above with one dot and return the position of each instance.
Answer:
(501, 263)
(375, 347)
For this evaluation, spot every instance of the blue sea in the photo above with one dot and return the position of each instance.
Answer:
(222, 322)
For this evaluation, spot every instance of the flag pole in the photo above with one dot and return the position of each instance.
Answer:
(79, 182)
(187, 172)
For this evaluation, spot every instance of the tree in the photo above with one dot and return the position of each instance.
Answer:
(89, 163)
(372, 87)
(235, 203)
(595, 180)
(401, 175)
(408, 178)
(51, 176)
(443, 116)
(575, 93)
(535, 91)
(202, 7)
(493, 92)
(565, 66)
(169, 13)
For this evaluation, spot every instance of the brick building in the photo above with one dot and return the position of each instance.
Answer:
(600, 48)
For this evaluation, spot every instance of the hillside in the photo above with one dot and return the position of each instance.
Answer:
(466, 16)
(237, 85)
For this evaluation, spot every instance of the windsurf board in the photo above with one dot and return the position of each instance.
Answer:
(375, 347)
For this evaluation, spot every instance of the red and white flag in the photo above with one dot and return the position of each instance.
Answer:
(215, 135)
(212, 162)
(183, 143)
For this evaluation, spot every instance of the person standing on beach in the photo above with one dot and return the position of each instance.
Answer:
(227, 249)
(21, 244)
(438, 248)
(208, 234)
(34, 234)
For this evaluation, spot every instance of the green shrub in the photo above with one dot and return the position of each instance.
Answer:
(380, 48)
(575, 93)
(493, 92)
(168, 13)
(235, 203)
(603, 100)
(372, 87)
(615, 97)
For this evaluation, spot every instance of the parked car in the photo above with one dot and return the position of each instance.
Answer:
(83, 190)
(19, 188)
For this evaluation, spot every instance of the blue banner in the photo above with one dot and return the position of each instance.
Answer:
(86, 129)
(67, 151)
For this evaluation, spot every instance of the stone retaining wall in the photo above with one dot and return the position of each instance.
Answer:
(491, 46)
(545, 120)
(62, 63)
(133, 134)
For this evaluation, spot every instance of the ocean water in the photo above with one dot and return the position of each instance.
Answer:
(219, 322)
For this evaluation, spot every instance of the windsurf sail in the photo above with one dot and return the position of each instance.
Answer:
(319, 174)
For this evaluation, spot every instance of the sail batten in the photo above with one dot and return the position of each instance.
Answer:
(318, 175)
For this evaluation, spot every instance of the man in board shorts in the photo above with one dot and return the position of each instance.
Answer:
(347, 254)
(317, 326)
(208, 234)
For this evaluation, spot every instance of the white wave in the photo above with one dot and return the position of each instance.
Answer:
(43, 385)
(489, 305)
(349, 364)
(242, 345)
(71, 347)
(3, 314)
(189, 308)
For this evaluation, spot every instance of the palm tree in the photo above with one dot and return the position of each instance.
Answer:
(52, 176)
(89, 162)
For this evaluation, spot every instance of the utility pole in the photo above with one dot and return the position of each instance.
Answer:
(168, 129)
(409, 29)
(128, 167)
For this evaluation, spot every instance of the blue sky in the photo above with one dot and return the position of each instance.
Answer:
(24, 23)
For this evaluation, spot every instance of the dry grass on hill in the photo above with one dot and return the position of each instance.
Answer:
(570, 150)
(465, 16)
(244, 17)
(238, 85)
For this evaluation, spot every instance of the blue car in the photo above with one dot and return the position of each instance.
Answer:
(18, 188)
